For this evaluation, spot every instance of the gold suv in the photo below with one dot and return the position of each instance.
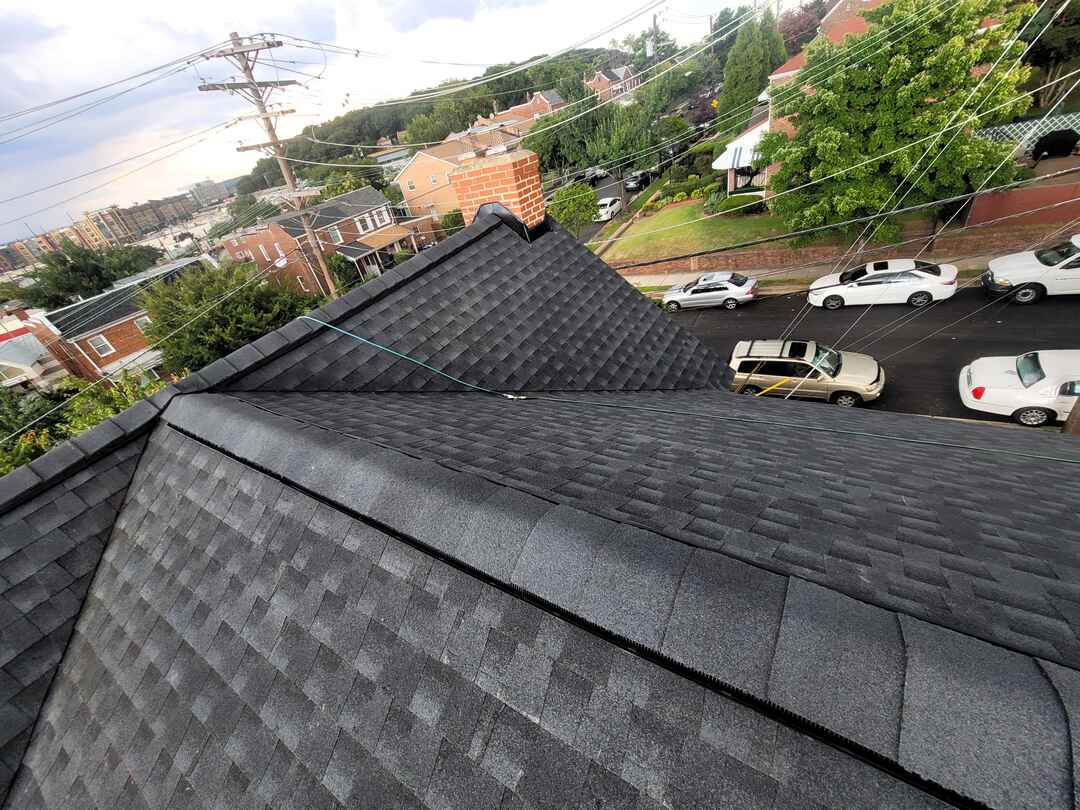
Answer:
(805, 369)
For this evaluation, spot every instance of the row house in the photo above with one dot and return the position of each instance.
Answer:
(360, 226)
(102, 335)
(25, 363)
(520, 118)
(613, 83)
(425, 180)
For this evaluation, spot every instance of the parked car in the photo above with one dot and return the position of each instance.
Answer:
(726, 290)
(636, 181)
(893, 281)
(606, 208)
(1030, 275)
(806, 369)
(1034, 388)
(593, 175)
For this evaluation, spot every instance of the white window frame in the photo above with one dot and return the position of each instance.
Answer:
(303, 286)
(97, 351)
(361, 225)
(412, 185)
(280, 252)
(381, 217)
(335, 235)
(434, 179)
(264, 252)
(141, 323)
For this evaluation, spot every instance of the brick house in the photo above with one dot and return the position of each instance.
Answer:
(610, 83)
(425, 180)
(101, 335)
(24, 362)
(360, 225)
(520, 118)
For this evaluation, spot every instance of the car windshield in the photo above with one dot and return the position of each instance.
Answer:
(826, 359)
(854, 274)
(1056, 254)
(1029, 369)
(738, 280)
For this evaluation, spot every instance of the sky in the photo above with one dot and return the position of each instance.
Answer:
(52, 49)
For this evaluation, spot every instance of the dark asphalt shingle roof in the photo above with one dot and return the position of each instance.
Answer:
(88, 316)
(344, 206)
(338, 579)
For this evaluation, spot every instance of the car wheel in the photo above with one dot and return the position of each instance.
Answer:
(833, 302)
(920, 299)
(846, 399)
(751, 390)
(1033, 417)
(672, 306)
(1029, 294)
(730, 303)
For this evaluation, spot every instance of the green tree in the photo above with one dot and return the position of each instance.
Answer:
(342, 183)
(393, 194)
(345, 273)
(24, 449)
(227, 325)
(907, 92)
(17, 410)
(241, 204)
(78, 272)
(451, 222)
(757, 51)
(96, 404)
(664, 47)
(1056, 51)
(573, 206)
(798, 26)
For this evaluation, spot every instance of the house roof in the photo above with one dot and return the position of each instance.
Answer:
(339, 577)
(344, 206)
(552, 97)
(116, 304)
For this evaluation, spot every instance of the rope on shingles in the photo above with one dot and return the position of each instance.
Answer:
(698, 415)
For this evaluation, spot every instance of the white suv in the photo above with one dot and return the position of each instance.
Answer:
(1030, 275)
(1034, 388)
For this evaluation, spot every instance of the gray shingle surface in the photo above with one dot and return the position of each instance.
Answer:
(49, 548)
(503, 313)
(915, 528)
(172, 697)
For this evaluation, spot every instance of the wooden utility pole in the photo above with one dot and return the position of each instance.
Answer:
(253, 91)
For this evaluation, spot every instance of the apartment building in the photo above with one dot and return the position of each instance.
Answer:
(616, 82)
(111, 226)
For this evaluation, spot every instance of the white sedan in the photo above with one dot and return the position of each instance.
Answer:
(1034, 388)
(724, 289)
(894, 281)
(606, 208)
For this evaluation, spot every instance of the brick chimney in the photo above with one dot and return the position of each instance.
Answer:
(511, 178)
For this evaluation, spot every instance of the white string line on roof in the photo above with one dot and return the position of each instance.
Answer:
(956, 114)
(134, 358)
(183, 59)
(214, 131)
(486, 79)
(862, 163)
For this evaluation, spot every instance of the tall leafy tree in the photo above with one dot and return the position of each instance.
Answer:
(757, 51)
(573, 206)
(227, 325)
(906, 92)
(664, 47)
(1056, 51)
(75, 272)
(799, 25)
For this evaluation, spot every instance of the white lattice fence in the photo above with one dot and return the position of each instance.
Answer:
(1026, 133)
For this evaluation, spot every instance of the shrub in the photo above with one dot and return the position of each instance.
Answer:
(677, 174)
(679, 197)
(703, 163)
(693, 178)
(738, 202)
(712, 188)
(698, 193)
(403, 256)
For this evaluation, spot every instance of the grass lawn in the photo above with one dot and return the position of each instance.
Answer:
(638, 243)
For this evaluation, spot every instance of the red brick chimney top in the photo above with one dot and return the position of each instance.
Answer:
(510, 178)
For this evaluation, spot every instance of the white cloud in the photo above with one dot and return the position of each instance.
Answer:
(70, 46)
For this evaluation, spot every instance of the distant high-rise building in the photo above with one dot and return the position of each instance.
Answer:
(111, 225)
(208, 192)
(90, 236)
(28, 251)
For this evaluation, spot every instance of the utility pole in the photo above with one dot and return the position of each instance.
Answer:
(253, 91)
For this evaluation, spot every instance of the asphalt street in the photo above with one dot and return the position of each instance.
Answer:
(922, 378)
(610, 187)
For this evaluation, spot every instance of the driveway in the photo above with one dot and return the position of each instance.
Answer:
(610, 187)
(921, 379)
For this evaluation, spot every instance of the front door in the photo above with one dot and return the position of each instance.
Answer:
(809, 382)
(707, 295)
(1066, 398)
(1065, 278)
(876, 289)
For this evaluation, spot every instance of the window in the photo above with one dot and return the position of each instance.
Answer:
(881, 265)
(382, 216)
(280, 252)
(412, 186)
(881, 278)
(303, 286)
(142, 322)
(434, 179)
(335, 235)
(1057, 254)
(738, 280)
(1029, 369)
(1071, 265)
(854, 274)
(1070, 389)
(929, 269)
(707, 288)
(100, 344)
(265, 255)
(828, 360)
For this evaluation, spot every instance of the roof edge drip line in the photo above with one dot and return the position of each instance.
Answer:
(765, 707)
